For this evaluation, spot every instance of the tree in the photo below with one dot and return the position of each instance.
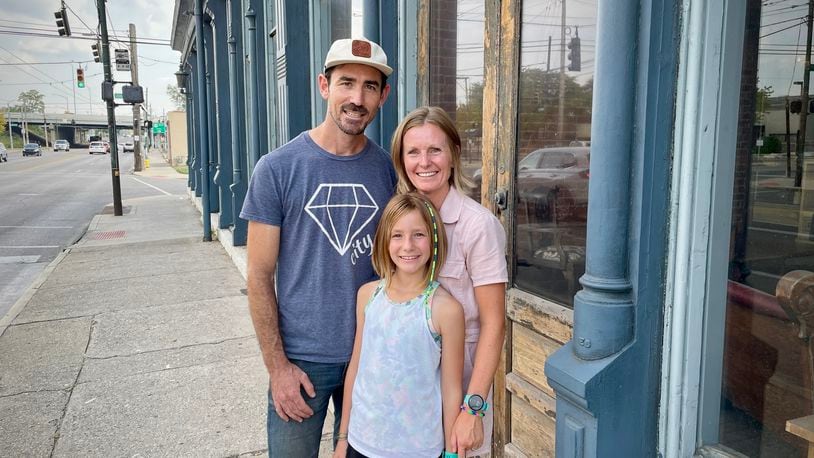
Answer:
(2, 122)
(31, 101)
(762, 102)
(179, 99)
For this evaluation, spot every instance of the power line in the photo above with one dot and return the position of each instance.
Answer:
(48, 63)
(73, 37)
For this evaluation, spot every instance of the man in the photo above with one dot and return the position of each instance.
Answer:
(313, 205)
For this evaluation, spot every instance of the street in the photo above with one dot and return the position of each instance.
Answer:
(47, 203)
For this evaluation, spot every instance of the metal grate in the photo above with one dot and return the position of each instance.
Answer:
(108, 235)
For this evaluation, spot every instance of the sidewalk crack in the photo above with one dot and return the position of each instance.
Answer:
(182, 347)
(70, 391)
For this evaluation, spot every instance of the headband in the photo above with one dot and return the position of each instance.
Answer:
(434, 240)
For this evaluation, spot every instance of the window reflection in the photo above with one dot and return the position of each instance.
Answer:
(553, 153)
(457, 72)
(767, 368)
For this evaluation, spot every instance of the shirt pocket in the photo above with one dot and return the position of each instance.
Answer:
(454, 277)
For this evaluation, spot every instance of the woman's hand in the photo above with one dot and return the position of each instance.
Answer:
(341, 450)
(467, 432)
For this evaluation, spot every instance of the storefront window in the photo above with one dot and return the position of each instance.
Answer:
(768, 372)
(554, 146)
(457, 74)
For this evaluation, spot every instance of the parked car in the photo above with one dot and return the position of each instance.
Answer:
(129, 147)
(62, 145)
(32, 149)
(552, 184)
(3, 153)
(97, 147)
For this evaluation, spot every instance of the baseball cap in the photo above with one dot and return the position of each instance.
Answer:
(357, 51)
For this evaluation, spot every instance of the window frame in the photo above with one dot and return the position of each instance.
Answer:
(705, 136)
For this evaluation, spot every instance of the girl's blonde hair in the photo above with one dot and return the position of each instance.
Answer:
(439, 118)
(399, 206)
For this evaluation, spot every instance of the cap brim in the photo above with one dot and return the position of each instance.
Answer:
(381, 67)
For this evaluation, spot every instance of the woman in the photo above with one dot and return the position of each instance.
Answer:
(426, 153)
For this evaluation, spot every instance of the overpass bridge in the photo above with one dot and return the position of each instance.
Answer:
(72, 127)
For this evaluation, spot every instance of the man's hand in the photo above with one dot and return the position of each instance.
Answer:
(285, 385)
(467, 432)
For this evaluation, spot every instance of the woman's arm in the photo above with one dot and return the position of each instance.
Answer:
(362, 296)
(448, 317)
(491, 307)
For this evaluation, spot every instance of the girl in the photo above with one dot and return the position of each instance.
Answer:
(403, 386)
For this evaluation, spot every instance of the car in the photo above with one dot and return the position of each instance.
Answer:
(97, 147)
(552, 184)
(107, 145)
(129, 146)
(62, 145)
(3, 153)
(32, 149)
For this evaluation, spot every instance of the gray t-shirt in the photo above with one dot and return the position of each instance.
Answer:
(327, 208)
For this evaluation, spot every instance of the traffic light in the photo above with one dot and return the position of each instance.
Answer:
(63, 27)
(80, 78)
(574, 57)
(95, 48)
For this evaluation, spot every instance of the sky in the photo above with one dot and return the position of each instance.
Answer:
(44, 61)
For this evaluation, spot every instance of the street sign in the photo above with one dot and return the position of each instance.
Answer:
(159, 128)
(117, 95)
(122, 60)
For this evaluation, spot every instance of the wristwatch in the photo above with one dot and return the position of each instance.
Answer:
(475, 403)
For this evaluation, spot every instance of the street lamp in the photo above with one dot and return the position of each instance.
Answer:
(181, 78)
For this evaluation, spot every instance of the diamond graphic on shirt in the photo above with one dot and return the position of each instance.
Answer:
(341, 211)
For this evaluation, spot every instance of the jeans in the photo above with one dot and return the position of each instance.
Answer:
(301, 440)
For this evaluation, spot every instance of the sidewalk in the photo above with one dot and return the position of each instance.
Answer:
(136, 341)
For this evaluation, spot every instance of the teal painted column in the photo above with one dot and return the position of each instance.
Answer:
(607, 377)
(371, 32)
(221, 113)
(239, 177)
(202, 115)
(211, 115)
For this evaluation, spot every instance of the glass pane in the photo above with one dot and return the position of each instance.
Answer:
(553, 150)
(456, 74)
(767, 367)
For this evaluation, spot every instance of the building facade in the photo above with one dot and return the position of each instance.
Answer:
(660, 294)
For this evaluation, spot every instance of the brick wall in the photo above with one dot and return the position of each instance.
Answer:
(746, 140)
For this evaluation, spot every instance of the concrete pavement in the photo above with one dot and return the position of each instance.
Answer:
(136, 341)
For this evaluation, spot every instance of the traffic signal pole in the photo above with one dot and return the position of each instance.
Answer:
(111, 112)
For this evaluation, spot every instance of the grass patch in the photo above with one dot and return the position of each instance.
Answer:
(181, 169)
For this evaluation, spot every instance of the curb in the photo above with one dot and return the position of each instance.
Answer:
(23, 300)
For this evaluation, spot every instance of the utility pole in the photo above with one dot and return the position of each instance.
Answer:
(137, 159)
(548, 59)
(561, 121)
(111, 112)
(798, 178)
(788, 141)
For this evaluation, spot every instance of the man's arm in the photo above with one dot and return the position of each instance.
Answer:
(285, 378)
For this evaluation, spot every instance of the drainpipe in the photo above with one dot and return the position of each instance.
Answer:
(203, 131)
(237, 188)
(603, 310)
(371, 30)
(211, 118)
(251, 55)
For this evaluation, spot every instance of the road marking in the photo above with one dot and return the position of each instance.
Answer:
(154, 187)
(19, 259)
(27, 194)
(29, 246)
(36, 227)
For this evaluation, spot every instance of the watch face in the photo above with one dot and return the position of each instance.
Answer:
(475, 402)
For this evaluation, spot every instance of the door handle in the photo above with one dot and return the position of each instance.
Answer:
(501, 201)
